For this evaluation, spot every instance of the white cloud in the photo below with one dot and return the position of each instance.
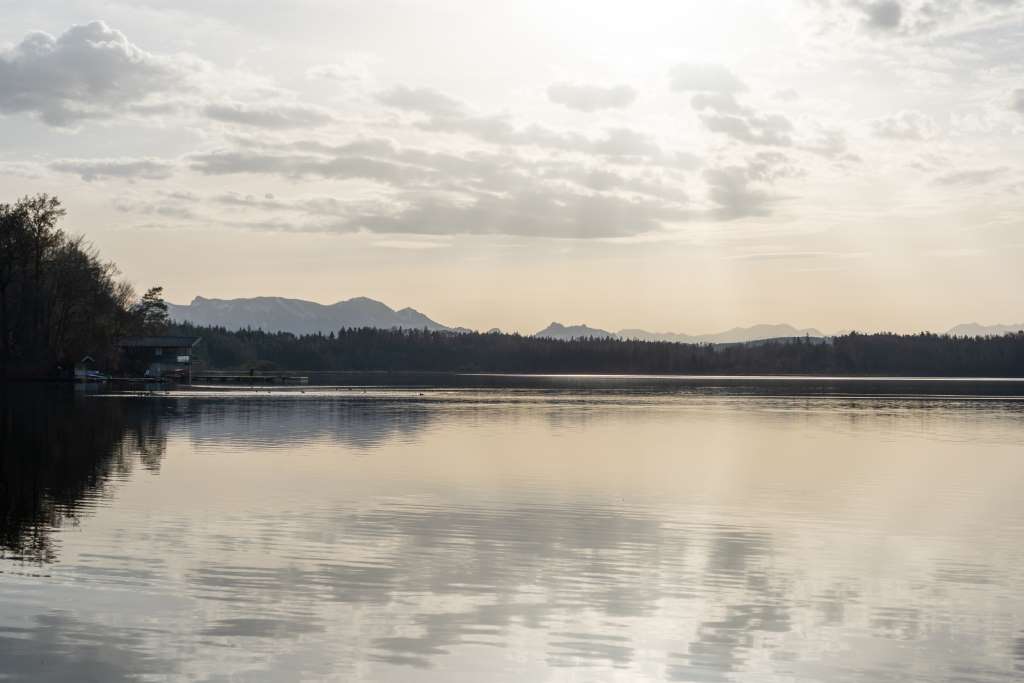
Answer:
(349, 71)
(495, 193)
(532, 211)
(882, 14)
(741, 191)
(705, 78)
(296, 166)
(722, 114)
(1017, 100)
(95, 169)
(830, 143)
(591, 98)
(975, 176)
(445, 114)
(756, 129)
(90, 71)
(905, 125)
(276, 116)
(914, 17)
(423, 100)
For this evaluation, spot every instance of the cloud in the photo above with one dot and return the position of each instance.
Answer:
(722, 114)
(349, 71)
(434, 193)
(569, 192)
(906, 125)
(339, 167)
(731, 190)
(977, 176)
(768, 167)
(534, 211)
(273, 116)
(531, 210)
(447, 115)
(770, 129)
(90, 71)
(884, 14)
(722, 103)
(96, 169)
(163, 209)
(831, 144)
(1017, 100)
(740, 191)
(430, 193)
(411, 168)
(705, 78)
(424, 100)
(591, 98)
(913, 17)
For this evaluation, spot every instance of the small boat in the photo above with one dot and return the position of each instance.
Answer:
(90, 376)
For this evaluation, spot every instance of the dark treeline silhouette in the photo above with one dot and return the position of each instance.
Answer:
(58, 299)
(58, 451)
(370, 349)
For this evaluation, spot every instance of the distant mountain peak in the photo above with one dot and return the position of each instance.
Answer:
(278, 314)
(559, 331)
(977, 330)
(735, 335)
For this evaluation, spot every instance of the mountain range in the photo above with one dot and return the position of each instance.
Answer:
(733, 336)
(976, 330)
(275, 314)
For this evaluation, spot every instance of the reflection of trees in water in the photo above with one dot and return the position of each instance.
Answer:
(58, 451)
(290, 421)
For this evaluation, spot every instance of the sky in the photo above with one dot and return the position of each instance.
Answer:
(674, 166)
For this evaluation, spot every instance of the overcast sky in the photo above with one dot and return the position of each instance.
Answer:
(683, 166)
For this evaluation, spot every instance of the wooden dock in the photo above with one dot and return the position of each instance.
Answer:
(244, 379)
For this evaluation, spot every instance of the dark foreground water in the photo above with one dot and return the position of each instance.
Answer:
(527, 529)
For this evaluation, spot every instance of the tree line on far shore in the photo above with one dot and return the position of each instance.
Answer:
(370, 349)
(59, 300)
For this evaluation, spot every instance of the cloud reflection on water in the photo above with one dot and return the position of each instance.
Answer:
(435, 539)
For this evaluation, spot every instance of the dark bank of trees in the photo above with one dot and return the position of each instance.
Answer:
(371, 349)
(59, 300)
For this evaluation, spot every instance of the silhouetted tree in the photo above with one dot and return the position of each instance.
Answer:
(58, 299)
(152, 311)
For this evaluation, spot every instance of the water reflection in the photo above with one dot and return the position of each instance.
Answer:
(59, 453)
(286, 420)
(515, 536)
(57, 646)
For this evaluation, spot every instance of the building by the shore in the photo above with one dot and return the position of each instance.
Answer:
(158, 357)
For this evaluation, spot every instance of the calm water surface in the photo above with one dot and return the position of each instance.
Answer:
(515, 529)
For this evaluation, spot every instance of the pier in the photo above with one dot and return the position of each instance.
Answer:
(259, 378)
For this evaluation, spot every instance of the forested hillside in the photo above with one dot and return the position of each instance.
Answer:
(374, 349)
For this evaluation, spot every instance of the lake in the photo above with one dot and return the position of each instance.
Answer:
(487, 528)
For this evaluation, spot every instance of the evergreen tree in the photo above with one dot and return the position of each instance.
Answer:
(152, 312)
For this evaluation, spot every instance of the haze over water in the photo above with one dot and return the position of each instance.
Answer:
(517, 529)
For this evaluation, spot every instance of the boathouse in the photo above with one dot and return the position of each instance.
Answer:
(158, 357)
